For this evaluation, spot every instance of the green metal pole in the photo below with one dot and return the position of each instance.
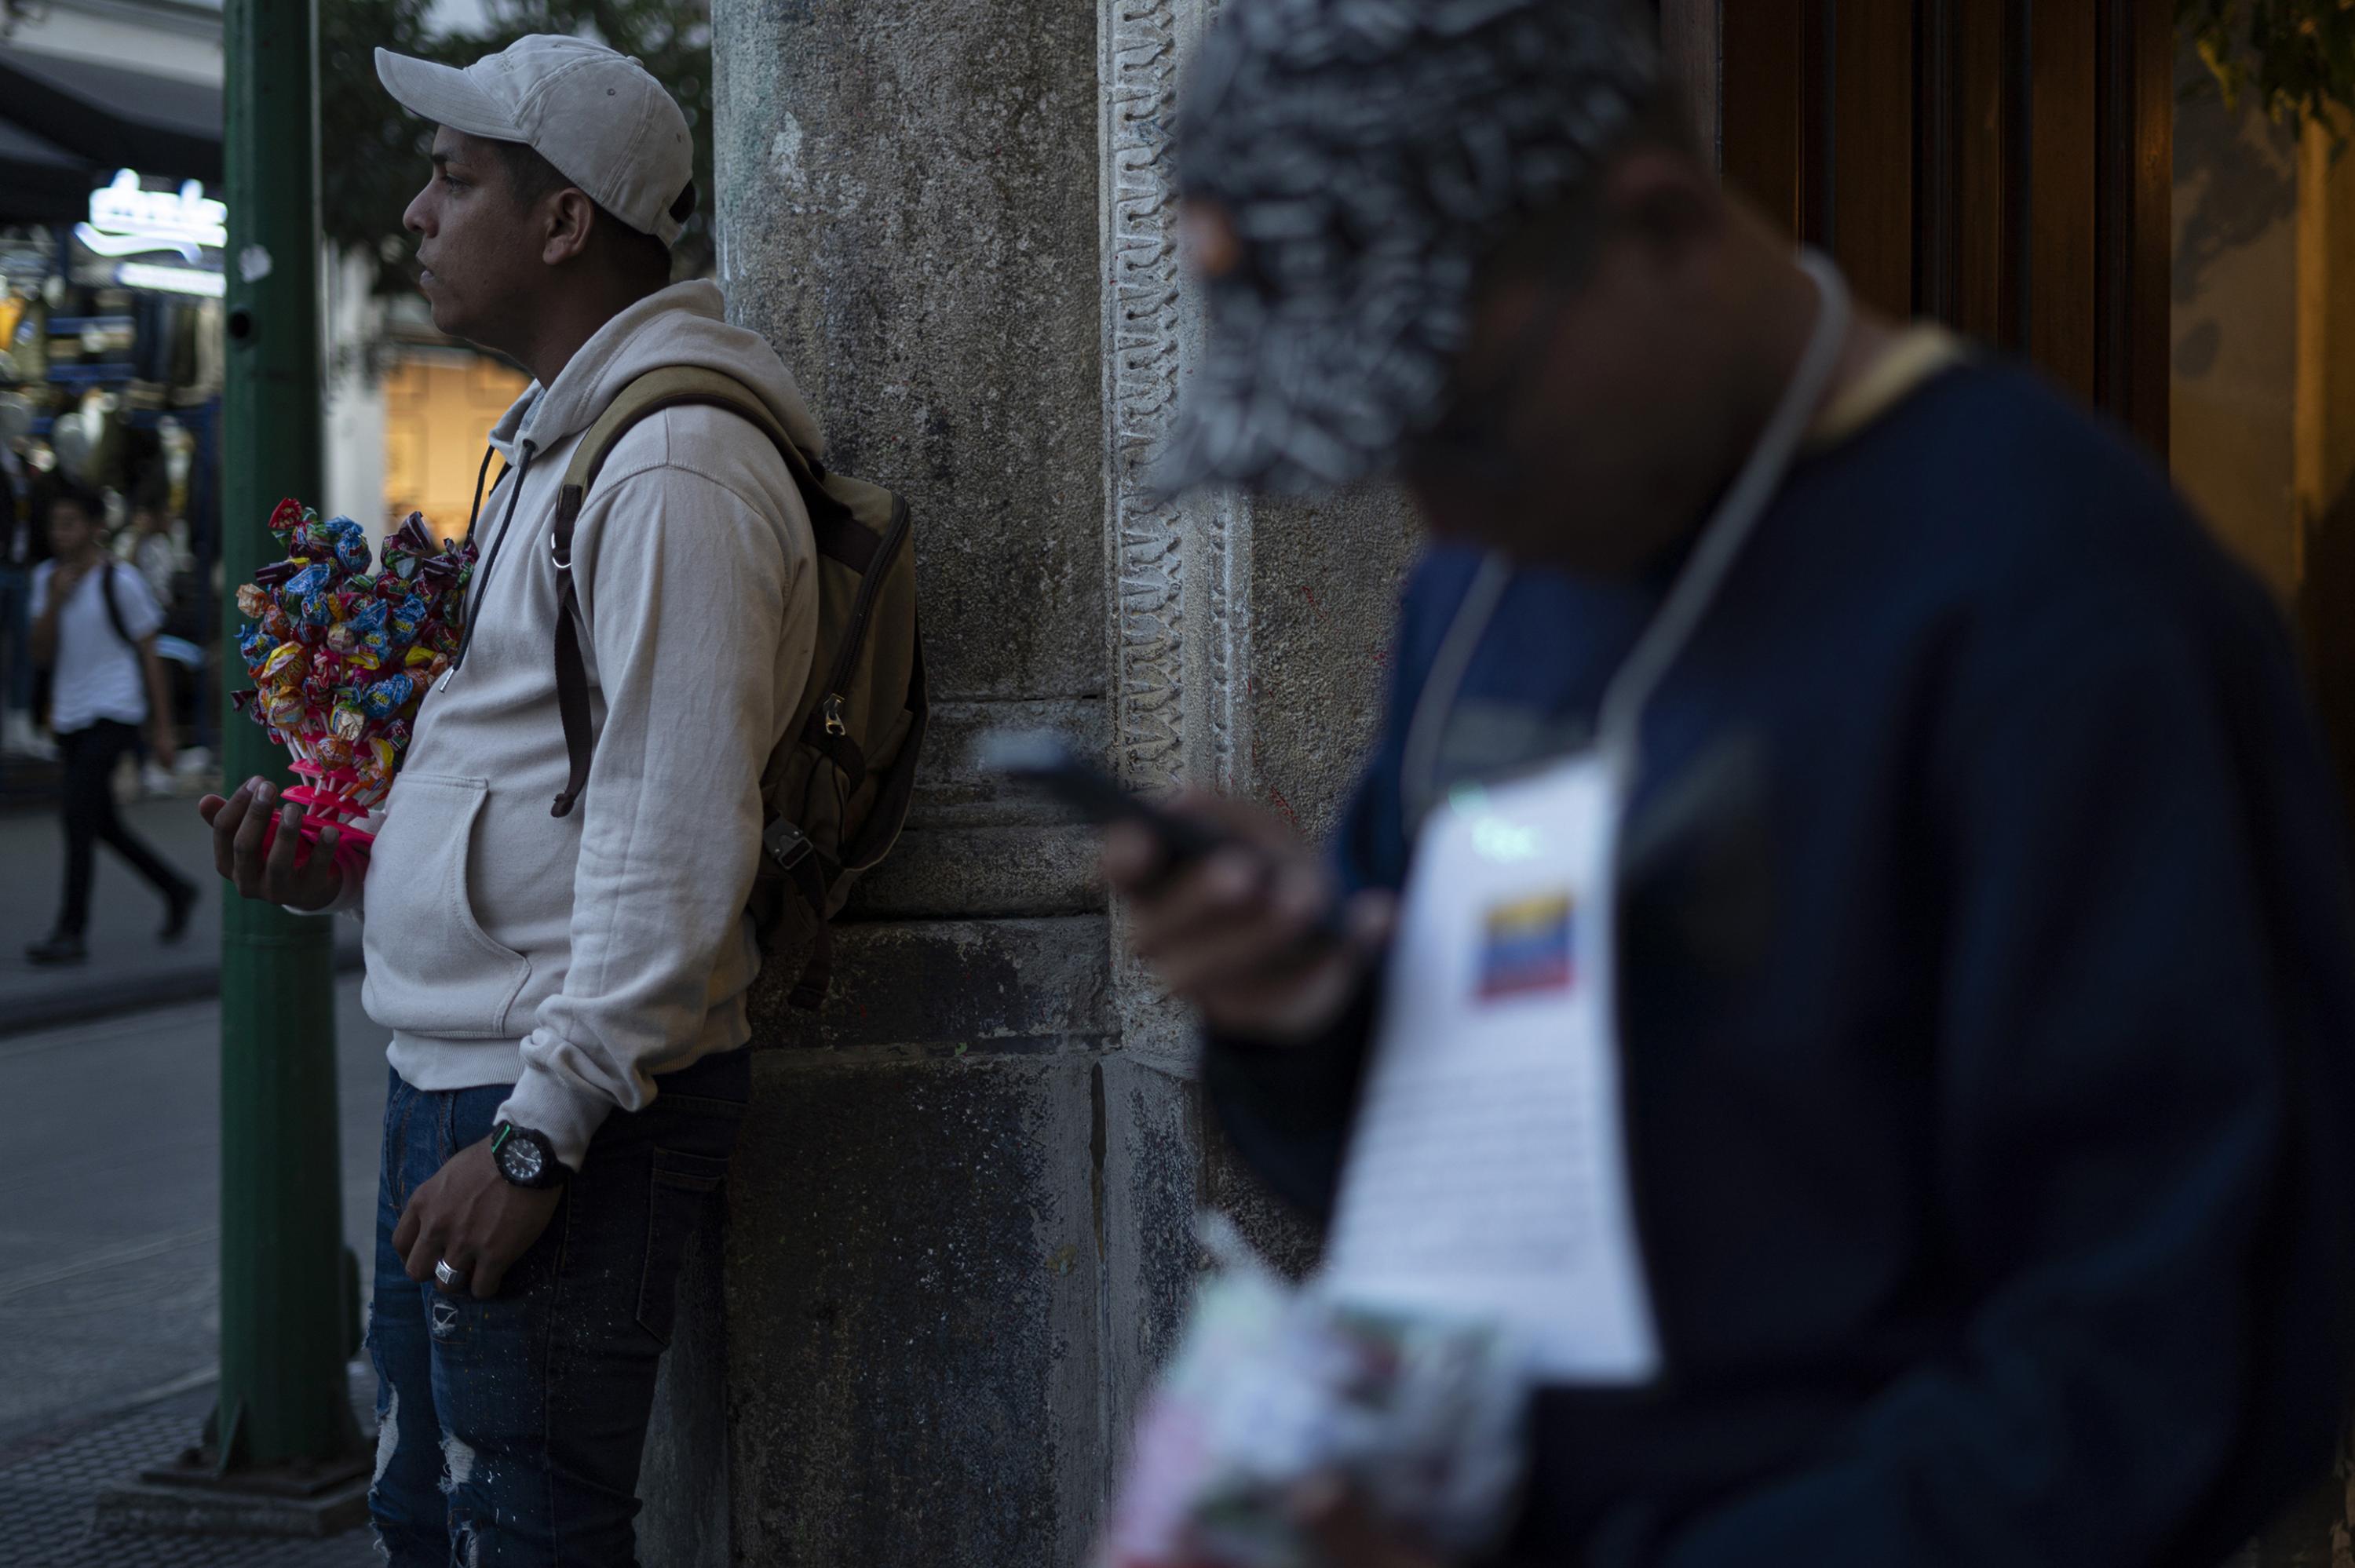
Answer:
(283, 1313)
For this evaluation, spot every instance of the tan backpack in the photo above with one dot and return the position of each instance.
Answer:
(835, 791)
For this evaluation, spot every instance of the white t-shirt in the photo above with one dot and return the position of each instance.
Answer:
(98, 675)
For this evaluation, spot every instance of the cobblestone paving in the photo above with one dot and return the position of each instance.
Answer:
(48, 1484)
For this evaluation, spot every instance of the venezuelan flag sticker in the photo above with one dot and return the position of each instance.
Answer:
(1525, 947)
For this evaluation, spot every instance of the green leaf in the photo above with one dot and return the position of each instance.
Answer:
(2295, 58)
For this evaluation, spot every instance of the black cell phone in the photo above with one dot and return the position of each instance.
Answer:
(1040, 757)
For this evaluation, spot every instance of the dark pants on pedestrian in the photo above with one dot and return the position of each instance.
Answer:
(510, 1430)
(89, 756)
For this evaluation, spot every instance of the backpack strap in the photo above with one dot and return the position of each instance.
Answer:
(114, 607)
(811, 873)
(571, 673)
(670, 387)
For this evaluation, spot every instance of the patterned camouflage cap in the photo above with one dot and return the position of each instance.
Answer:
(1369, 155)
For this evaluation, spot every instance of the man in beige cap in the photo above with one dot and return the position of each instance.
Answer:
(565, 991)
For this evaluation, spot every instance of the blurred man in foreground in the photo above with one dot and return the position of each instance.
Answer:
(1849, 948)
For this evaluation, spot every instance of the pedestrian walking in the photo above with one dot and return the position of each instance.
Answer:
(565, 987)
(1849, 953)
(94, 624)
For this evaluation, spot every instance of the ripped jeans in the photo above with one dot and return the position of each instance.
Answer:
(510, 1430)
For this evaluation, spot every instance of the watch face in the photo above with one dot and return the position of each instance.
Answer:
(523, 1160)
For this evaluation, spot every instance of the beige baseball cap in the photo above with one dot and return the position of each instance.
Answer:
(595, 113)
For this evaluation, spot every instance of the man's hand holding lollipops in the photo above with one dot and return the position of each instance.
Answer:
(341, 656)
(256, 848)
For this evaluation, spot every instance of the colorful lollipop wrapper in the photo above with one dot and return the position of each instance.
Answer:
(283, 707)
(351, 546)
(286, 665)
(310, 579)
(384, 696)
(341, 648)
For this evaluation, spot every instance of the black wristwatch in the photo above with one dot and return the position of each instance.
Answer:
(526, 1158)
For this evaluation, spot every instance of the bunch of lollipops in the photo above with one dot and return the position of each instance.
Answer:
(341, 649)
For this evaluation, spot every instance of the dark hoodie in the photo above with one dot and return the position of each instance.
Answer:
(1985, 1003)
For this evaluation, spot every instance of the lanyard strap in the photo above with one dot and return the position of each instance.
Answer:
(1619, 724)
(1621, 721)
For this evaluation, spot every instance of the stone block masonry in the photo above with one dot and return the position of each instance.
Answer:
(958, 1237)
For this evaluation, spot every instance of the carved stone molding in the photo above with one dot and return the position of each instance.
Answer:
(1179, 606)
(1178, 621)
(1177, 569)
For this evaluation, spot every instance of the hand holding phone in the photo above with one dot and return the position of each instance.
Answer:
(1040, 759)
(1233, 910)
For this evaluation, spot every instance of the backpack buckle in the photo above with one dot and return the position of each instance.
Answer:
(559, 553)
(786, 844)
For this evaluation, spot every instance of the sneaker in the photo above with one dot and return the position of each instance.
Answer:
(156, 780)
(178, 905)
(59, 949)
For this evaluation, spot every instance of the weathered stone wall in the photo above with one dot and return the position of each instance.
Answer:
(958, 1231)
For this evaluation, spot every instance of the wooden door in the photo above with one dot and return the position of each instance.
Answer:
(2001, 165)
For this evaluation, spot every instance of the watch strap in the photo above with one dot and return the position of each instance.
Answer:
(551, 1171)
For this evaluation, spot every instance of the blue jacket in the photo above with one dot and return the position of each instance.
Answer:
(1986, 1003)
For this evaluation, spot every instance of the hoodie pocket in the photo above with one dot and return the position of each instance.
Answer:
(432, 968)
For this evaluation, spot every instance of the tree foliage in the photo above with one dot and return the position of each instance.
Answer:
(373, 152)
(2296, 58)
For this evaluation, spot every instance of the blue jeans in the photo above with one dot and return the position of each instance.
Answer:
(510, 1430)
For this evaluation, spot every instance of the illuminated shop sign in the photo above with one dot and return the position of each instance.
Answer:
(171, 279)
(125, 219)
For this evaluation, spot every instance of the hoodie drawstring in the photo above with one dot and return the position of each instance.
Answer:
(482, 473)
(475, 599)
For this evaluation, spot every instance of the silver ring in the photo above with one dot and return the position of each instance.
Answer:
(448, 1277)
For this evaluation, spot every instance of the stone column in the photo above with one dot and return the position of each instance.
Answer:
(958, 1232)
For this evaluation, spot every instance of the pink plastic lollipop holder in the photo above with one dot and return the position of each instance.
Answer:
(327, 802)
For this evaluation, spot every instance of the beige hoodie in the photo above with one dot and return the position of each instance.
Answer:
(576, 958)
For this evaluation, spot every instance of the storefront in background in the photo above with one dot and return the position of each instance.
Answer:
(440, 403)
(112, 229)
(114, 326)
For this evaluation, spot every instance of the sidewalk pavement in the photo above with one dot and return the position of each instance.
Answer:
(47, 1483)
(110, 1202)
(128, 968)
(110, 1275)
